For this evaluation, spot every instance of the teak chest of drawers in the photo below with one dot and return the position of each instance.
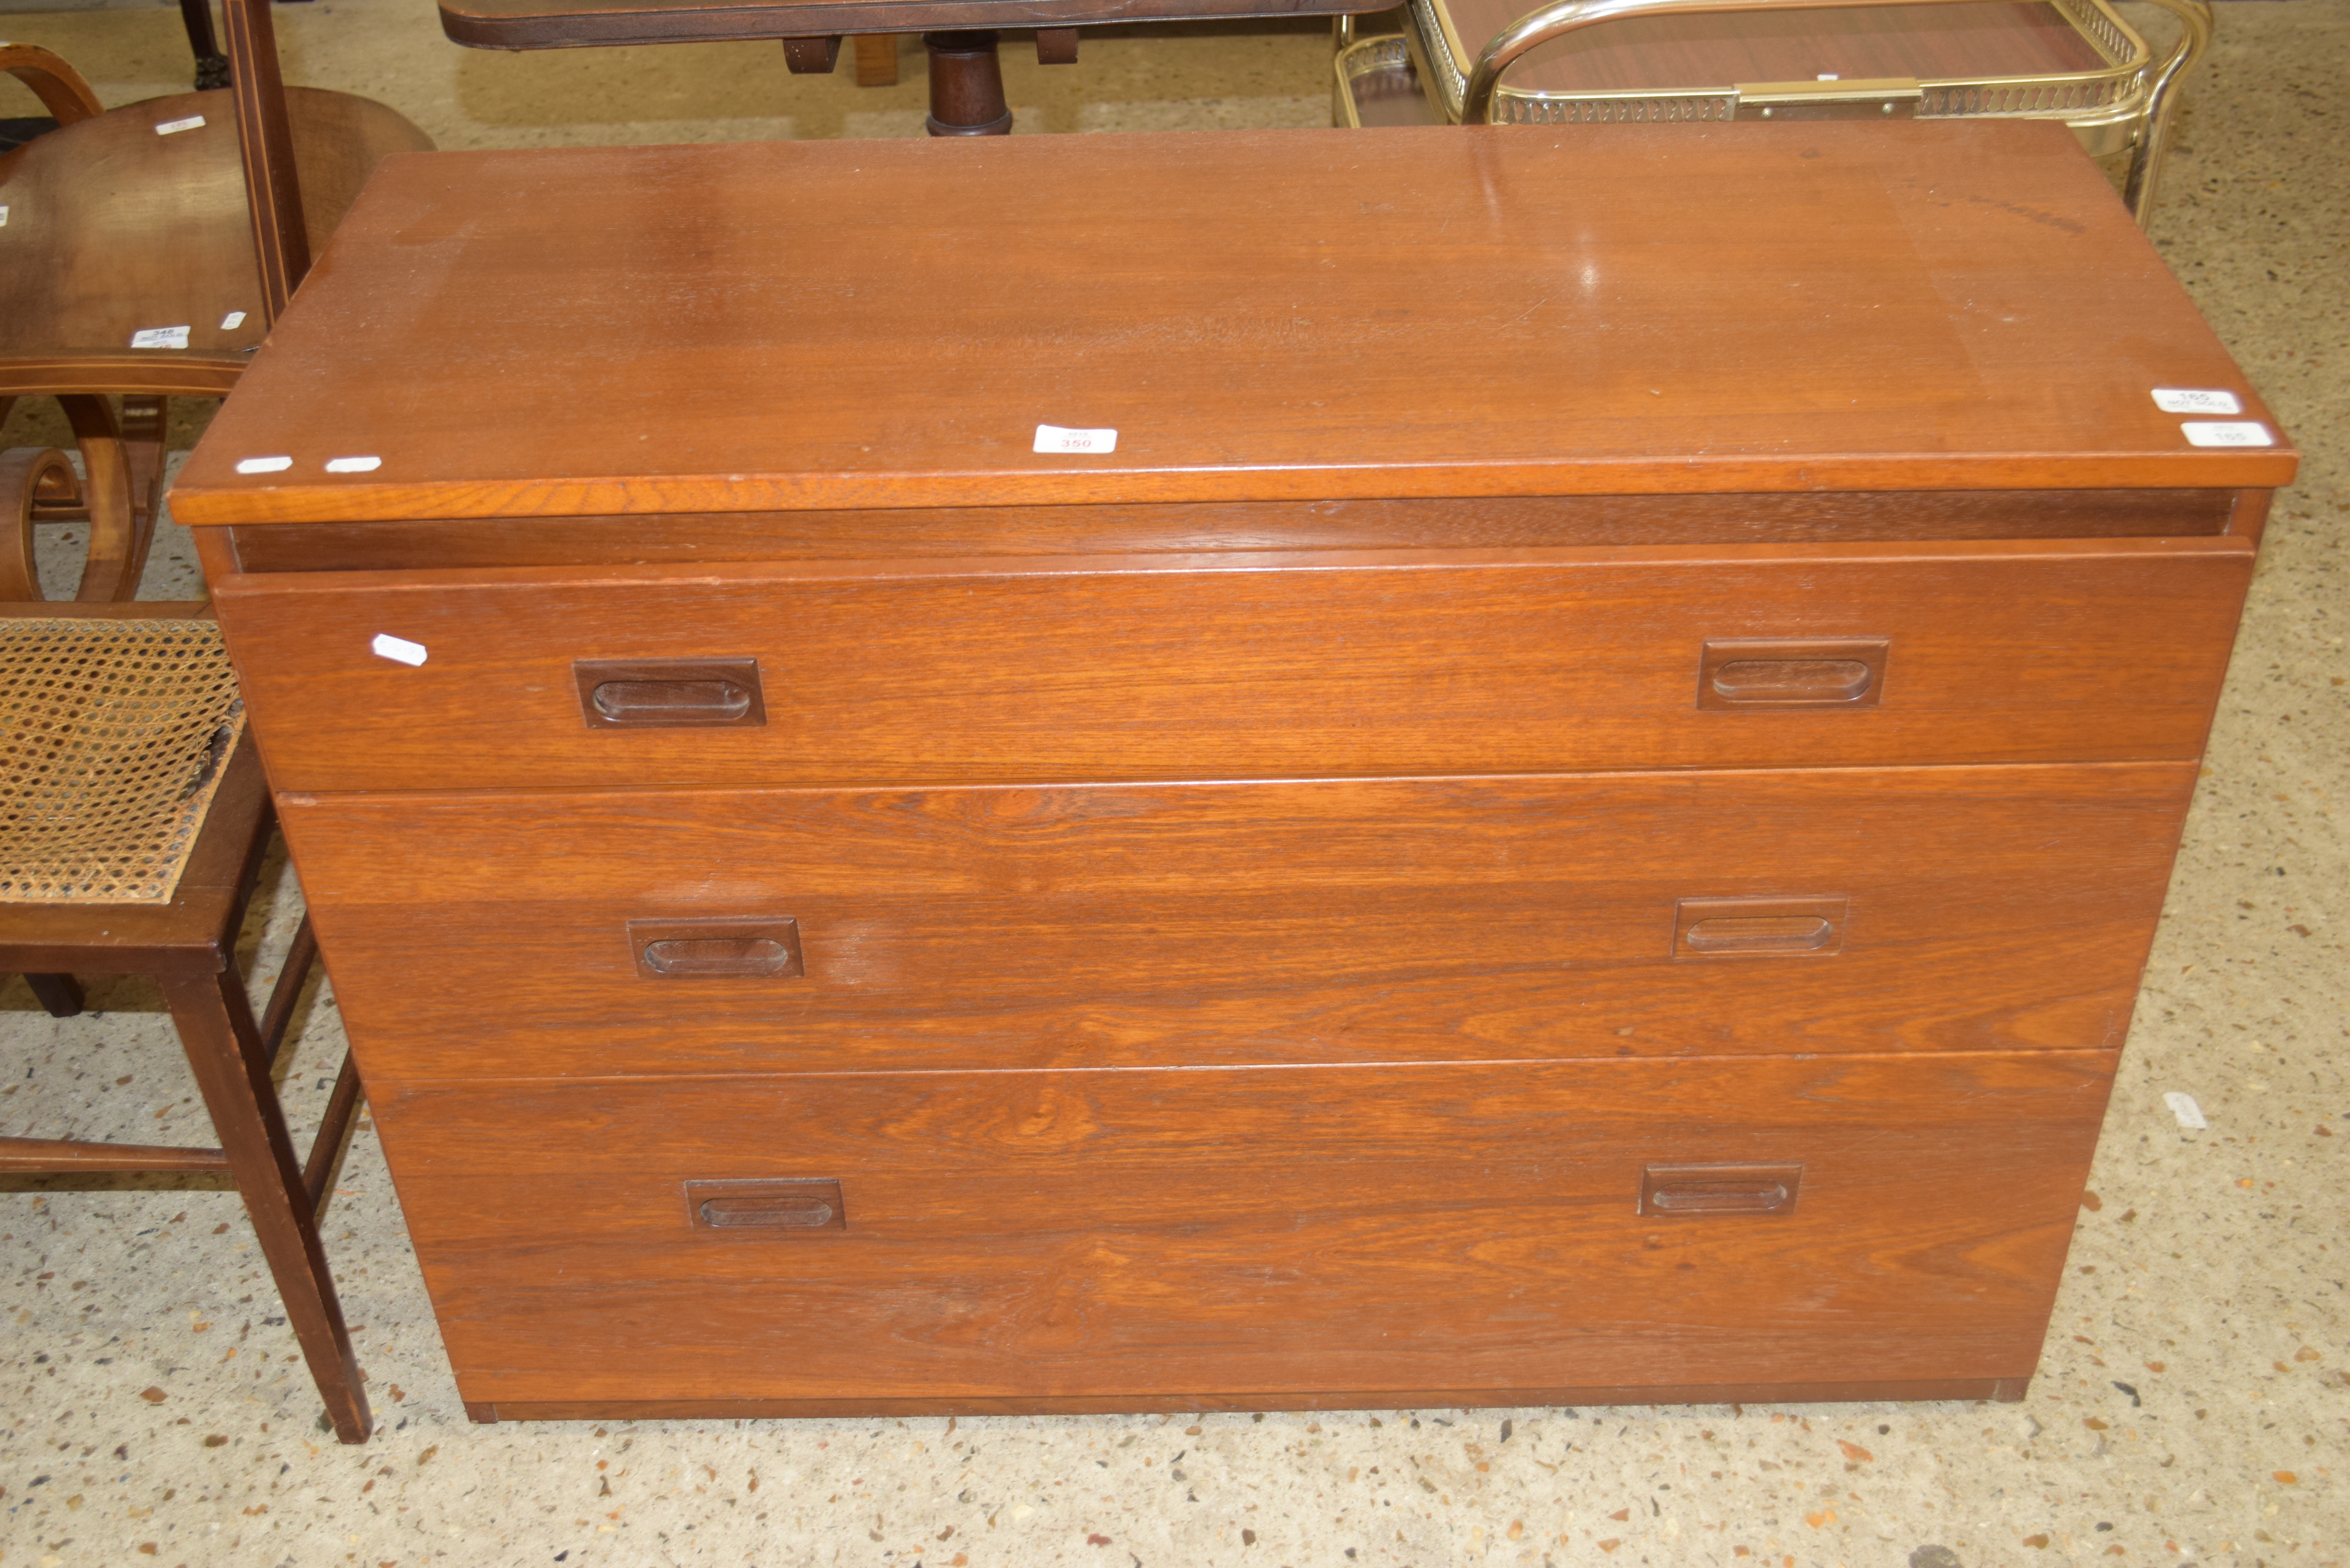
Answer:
(1573, 813)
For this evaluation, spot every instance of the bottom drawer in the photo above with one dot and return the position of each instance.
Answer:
(1372, 1235)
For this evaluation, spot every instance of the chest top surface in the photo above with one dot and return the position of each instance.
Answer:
(1260, 317)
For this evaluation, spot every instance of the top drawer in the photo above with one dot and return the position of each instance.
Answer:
(1331, 664)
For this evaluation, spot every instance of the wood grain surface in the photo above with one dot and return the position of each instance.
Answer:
(113, 228)
(1380, 920)
(1297, 314)
(1046, 670)
(1141, 1234)
(1182, 527)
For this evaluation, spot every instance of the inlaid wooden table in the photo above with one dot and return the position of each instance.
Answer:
(966, 81)
(1569, 810)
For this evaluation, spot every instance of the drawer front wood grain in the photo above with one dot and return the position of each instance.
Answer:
(1340, 663)
(1142, 1234)
(1634, 913)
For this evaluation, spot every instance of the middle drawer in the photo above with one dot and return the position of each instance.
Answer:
(1339, 663)
(1333, 920)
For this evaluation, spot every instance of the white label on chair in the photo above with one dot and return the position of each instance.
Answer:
(1054, 438)
(159, 338)
(264, 464)
(232, 321)
(2193, 400)
(398, 649)
(169, 126)
(353, 465)
(2223, 432)
(4, 217)
(2190, 1114)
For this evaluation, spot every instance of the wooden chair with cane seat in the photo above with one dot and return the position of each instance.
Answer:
(138, 817)
(144, 252)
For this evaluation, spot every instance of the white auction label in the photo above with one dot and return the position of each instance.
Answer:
(264, 464)
(2226, 432)
(398, 649)
(2190, 1114)
(4, 217)
(169, 126)
(2196, 400)
(1057, 438)
(159, 338)
(353, 465)
(232, 321)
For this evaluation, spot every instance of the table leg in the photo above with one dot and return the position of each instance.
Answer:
(966, 85)
(212, 66)
(877, 59)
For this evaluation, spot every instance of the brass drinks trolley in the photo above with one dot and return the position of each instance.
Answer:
(1648, 61)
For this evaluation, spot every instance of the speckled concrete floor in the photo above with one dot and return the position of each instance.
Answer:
(2192, 1404)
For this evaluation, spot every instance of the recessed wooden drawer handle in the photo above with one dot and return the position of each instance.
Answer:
(784, 1213)
(780, 1207)
(669, 693)
(1720, 1188)
(1760, 933)
(719, 955)
(1779, 672)
(1783, 681)
(669, 702)
(760, 949)
(1752, 928)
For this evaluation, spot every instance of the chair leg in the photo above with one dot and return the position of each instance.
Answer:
(146, 423)
(333, 1127)
(36, 484)
(60, 993)
(212, 66)
(120, 528)
(223, 1045)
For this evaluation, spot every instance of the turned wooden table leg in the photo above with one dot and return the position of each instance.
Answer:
(966, 85)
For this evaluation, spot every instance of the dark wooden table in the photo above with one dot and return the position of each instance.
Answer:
(966, 82)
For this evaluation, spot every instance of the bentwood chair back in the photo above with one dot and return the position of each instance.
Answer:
(146, 250)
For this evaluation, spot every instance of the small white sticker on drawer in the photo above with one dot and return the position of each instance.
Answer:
(398, 649)
(159, 338)
(169, 126)
(2196, 400)
(353, 465)
(264, 464)
(2226, 432)
(232, 321)
(1059, 438)
(2190, 1114)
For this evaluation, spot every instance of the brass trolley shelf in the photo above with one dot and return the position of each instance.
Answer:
(1651, 61)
